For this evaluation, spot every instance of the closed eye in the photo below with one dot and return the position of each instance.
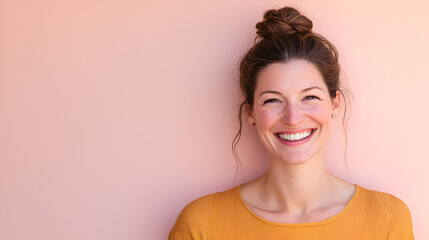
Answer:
(311, 97)
(271, 100)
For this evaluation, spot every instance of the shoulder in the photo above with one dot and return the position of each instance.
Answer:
(193, 221)
(381, 200)
(390, 210)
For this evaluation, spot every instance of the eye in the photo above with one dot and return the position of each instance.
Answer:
(311, 97)
(271, 100)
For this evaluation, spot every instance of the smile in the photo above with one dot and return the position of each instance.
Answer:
(295, 136)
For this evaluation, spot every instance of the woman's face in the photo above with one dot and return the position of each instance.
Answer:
(292, 110)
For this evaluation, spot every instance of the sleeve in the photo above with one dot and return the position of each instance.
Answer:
(401, 226)
(192, 222)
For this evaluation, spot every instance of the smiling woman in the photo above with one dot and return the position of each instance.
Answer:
(290, 80)
(292, 111)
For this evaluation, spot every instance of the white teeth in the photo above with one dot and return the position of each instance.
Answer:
(296, 136)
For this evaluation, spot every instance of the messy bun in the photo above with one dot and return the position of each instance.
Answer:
(282, 22)
(284, 35)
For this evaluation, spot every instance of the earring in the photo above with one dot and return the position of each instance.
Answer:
(333, 116)
(254, 124)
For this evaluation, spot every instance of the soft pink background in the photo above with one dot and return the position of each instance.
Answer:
(115, 114)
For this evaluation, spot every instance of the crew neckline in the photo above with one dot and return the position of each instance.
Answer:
(306, 224)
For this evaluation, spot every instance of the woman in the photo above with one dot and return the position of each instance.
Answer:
(290, 80)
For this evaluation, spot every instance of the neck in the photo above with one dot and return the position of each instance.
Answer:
(297, 188)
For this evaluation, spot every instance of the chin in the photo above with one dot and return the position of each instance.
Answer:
(292, 160)
(296, 159)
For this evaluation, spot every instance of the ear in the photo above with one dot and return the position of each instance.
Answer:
(336, 103)
(250, 115)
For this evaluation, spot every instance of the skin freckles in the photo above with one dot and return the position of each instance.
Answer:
(292, 98)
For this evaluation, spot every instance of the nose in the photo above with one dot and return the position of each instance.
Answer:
(292, 115)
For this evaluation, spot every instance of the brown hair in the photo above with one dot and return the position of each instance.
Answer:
(282, 36)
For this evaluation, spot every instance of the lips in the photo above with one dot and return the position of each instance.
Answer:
(297, 136)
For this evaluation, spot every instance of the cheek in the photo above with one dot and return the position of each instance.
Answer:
(267, 117)
(320, 114)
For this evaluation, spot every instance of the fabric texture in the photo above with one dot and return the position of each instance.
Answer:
(368, 215)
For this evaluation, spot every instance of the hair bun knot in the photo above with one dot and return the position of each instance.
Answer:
(283, 22)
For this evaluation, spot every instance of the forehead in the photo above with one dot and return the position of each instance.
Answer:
(292, 76)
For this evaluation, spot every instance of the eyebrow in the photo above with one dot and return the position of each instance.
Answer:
(303, 90)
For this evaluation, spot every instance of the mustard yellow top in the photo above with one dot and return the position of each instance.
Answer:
(368, 215)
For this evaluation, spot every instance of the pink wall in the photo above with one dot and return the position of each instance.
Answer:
(115, 114)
